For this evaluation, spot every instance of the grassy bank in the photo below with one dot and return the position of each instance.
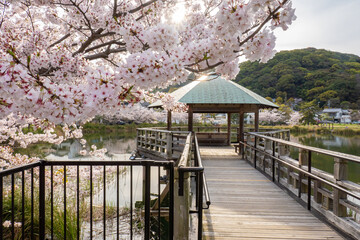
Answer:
(90, 128)
(338, 129)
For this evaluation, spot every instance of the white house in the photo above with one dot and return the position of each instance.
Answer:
(338, 115)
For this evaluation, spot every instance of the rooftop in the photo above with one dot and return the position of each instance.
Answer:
(213, 89)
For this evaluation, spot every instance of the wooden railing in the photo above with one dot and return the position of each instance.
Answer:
(182, 147)
(216, 134)
(218, 129)
(333, 195)
(160, 144)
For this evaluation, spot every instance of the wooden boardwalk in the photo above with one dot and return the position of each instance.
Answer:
(246, 205)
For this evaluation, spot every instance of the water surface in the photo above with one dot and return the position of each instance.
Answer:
(349, 145)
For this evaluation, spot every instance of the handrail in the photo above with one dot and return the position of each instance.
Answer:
(345, 156)
(273, 132)
(304, 171)
(207, 127)
(33, 223)
(330, 194)
(198, 169)
(10, 171)
(186, 152)
(199, 162)
(163, 131)
(153, 141)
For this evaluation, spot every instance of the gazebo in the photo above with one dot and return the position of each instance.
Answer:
(213, 94)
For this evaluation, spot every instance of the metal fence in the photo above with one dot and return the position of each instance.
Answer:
(62, 200)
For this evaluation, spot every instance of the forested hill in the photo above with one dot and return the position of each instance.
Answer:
(329, 77)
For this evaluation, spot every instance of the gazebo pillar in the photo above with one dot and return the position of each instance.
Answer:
(241, 126)
(169, 120)
(190, 119)
(229, 128)
(256, 120)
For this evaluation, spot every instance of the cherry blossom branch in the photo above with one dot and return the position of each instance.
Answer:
(95, 36)
(60, 40)
(269, 17)
(134, 10)
(5, 5)
(105, 53)
(204, 69)
(84, 14)
(105, 44)
(115, 8)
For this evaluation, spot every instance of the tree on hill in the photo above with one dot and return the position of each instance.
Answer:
(309, 111)
(328, 77)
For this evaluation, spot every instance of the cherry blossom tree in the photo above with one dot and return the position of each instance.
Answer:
(276, 116)
(65, 61)
(137, 114)
(295, 118)
(271, 117)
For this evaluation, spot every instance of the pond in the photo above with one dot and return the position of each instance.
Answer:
(350, 145)
(120, 146)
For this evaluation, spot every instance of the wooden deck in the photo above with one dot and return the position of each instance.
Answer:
(246, 205)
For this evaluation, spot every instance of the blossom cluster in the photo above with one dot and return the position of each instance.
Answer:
(139, 114)
(8, 224)
(276, 116)
(64, 61)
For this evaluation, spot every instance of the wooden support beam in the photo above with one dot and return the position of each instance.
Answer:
(169, 120)
(190, 118)
(241, 131)
(229, 128)
(256, 123)
(241, 126)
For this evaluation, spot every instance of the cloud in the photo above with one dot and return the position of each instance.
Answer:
(329, 24)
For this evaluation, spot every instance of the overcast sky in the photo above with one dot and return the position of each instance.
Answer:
(327, 24)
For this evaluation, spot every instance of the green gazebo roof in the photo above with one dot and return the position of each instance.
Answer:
(213, 89)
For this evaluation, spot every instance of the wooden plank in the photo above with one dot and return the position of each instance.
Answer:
(246, 205)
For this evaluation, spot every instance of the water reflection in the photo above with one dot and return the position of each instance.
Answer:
(350, 145)
(69, 150)
(119, 148)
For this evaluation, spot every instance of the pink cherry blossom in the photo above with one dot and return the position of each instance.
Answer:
(64, 62)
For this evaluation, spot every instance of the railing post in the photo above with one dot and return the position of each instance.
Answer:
(1, 207)
(147, 169)
(182, 201)
(248, 149)
(281, 152)
(42, 200)
(303, 161)
(317, 194)
(169, 143)
(181, 206)
(309, 182)
(200, 203)
(137, 139)
(171, 207)
(255, 148)
(340, 173)
(268, 150)
(273, 161)
(157, 148)
(146, 139)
